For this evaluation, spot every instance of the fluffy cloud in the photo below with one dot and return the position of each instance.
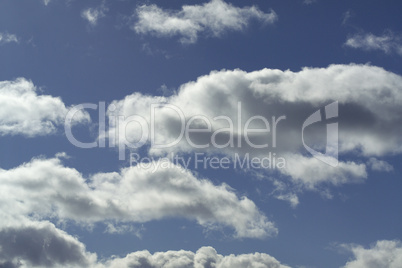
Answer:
(8, 38)
(41, 244)
(214, 18)
(136, 194)
(45, 189)
(385, 254)
(205, 257)
(92, 15)
(389, 42)
(369, 118)
(28, 113)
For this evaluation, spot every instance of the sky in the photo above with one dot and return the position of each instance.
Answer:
(200, 133)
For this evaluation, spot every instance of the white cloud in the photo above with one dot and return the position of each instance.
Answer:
(311, 172)
(379, 165)
(389, 42)
(8, 38)
(42, 244)
(135, 195)
(45, 189)
(384, 254)
(46, 2)
(215, 18)
(92, 15)
(28, 113)
(205, 257)
(370, 117)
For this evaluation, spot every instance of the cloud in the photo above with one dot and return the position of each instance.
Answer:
(205, 257)
(25, 112)
(389, 42)
(92, 15)
(309, 2)
(41, 244)
(369, 119)
(299, 168)
(44, 189)
(34, 244)
(379, 165)
(214, 18)
(8, 38)
(46, 2)
(347, 16)
(136, 194)
(384, 254)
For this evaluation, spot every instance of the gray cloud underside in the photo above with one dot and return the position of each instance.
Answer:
(370, 117)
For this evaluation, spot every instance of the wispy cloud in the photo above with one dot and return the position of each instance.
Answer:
(379, 165)
(214, 18)
(347, 15)
(309, 2)
(8, 38)
(92, 15)
(389, 42)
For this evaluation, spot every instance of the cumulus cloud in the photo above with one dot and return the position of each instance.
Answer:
(389, 42)
(205, 257)
(136, 194)
(222, 102)
(214, 18)
(46, 246)
(8, 38)
(44, 189)
(26, 112)
(41, 244)
(92, 15)
(385, 254)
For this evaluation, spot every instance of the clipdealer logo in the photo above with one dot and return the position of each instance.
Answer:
(240, 129)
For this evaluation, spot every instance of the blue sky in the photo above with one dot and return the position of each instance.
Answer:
(67, 206)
